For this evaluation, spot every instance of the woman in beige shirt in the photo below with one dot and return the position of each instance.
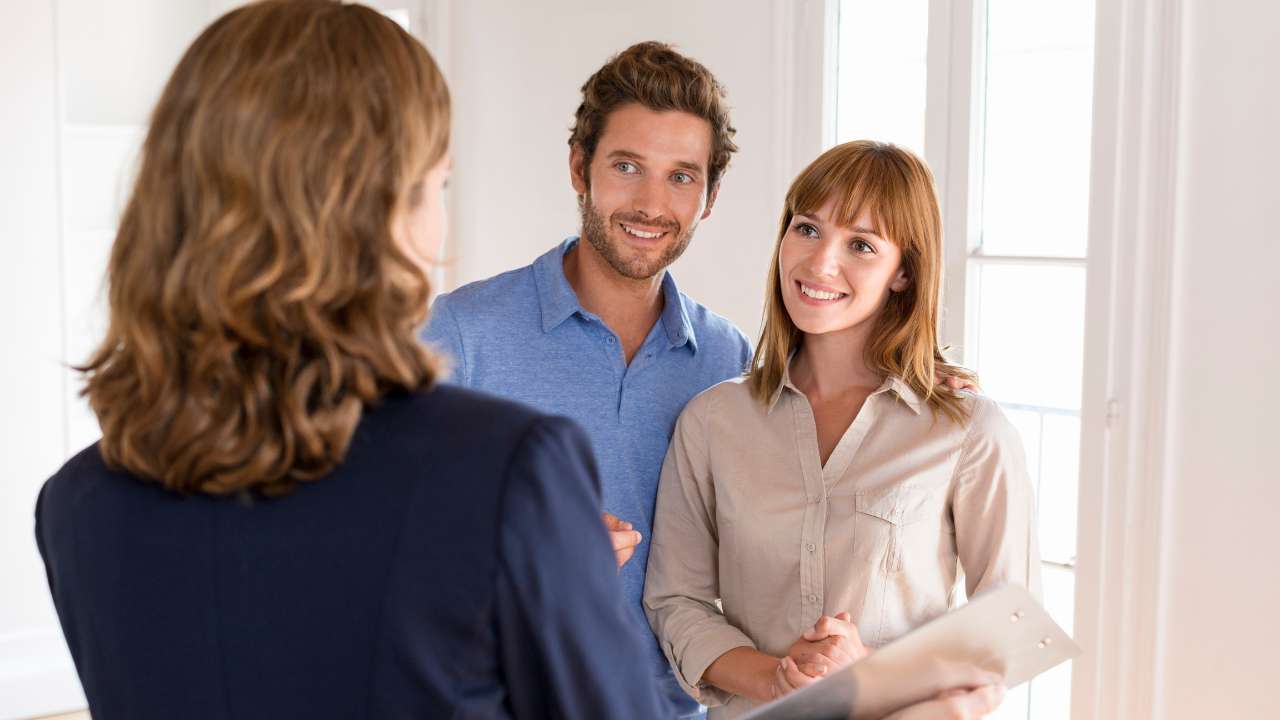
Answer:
(835, 492)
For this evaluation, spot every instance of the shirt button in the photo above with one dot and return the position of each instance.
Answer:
(810, 547)
(813, 598)
(609, 339)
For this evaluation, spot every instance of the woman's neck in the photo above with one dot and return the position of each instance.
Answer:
(831, 364)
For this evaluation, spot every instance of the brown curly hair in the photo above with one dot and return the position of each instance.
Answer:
(257, 299)
(654, 75)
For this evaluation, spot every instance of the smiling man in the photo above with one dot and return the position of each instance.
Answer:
(595, 329)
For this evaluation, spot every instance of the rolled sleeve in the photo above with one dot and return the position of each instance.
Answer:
(682, 584)
(994, 506)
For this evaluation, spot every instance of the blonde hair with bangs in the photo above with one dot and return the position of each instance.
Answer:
(896, 188)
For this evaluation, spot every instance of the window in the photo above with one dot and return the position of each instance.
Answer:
(998, 93)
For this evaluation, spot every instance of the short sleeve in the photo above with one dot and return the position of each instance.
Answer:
(443, 334)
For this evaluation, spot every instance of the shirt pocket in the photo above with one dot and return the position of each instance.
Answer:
(889, 521)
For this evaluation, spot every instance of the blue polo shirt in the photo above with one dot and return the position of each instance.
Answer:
(524, 335)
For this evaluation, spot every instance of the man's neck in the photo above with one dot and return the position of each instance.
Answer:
(629, 307)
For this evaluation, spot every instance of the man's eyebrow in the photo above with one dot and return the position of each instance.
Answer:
(631, 155)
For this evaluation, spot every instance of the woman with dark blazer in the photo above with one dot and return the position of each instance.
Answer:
(285, 516)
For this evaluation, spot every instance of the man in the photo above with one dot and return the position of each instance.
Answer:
(597, 330)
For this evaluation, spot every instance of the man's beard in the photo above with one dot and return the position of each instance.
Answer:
(638, 267)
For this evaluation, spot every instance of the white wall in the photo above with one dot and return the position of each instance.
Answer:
(32, 428)
(516, 70)
(1220, 628)
(78, 79)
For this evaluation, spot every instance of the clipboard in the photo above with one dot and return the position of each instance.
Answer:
(1002, 634)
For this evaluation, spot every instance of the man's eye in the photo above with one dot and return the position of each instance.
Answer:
(682, 178)
(626, 167)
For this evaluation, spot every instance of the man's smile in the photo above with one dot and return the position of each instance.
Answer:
(641, 233)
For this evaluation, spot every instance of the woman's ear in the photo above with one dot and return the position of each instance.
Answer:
(901, 281)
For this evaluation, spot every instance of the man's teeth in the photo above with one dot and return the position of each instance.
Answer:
(819, 294)
(641, 234)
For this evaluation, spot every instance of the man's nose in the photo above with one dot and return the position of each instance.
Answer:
(650, 198)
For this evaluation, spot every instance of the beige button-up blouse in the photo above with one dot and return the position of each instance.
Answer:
(754, 539)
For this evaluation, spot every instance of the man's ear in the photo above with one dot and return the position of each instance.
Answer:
(711, 201)
(578, 169)
(901, 281)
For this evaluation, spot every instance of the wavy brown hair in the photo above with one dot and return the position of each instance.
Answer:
(257, 299)
(896, 187)
(658, 77)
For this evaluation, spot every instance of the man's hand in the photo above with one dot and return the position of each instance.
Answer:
(955, 382)
(956, 704)
(832, 642)
(623, 536)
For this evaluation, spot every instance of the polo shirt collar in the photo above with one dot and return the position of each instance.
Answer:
(674, 317)
(556, 297)
(558, 302)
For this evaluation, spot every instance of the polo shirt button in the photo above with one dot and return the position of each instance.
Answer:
(810, 547)
(813, 598)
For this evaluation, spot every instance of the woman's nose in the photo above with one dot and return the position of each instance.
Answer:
(824, 261)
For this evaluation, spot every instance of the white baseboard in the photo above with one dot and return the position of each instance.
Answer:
(37, 676)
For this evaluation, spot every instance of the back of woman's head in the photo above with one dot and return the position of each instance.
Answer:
(258, 301)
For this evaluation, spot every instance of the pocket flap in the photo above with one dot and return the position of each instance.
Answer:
(898, 505)
(880, 503)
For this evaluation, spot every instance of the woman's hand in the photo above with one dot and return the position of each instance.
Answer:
(789, 676)
(832, 643)
(955, 704)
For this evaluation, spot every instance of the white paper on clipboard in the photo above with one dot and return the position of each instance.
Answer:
(1003, 631)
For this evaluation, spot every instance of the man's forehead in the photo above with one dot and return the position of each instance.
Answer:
(643, 134)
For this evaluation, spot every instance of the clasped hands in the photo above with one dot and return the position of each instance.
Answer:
(832, 643)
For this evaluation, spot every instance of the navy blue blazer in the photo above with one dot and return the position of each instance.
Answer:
(454, 566)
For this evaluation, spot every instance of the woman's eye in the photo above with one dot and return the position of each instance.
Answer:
(862, 246)
(807, 230)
